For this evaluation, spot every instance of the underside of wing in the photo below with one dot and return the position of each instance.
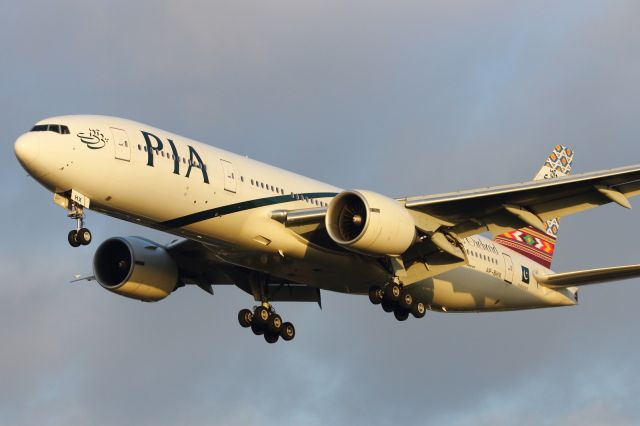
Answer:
(204, 266)
(589, 276)
(502, 208)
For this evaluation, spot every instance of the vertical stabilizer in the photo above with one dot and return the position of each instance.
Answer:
(530, 242)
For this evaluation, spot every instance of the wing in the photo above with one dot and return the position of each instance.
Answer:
(496, 209)
(590, 276)
(502, 208)
(203, 266)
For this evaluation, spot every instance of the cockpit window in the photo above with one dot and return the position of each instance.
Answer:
(58, 128)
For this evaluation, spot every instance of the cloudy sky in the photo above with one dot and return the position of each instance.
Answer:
(403, 97)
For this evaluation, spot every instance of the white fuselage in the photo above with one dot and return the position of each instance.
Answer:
(158, 179)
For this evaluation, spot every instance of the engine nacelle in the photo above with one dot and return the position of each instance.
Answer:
(135, 267)
(370, 223)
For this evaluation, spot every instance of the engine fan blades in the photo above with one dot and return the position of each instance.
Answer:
(352, 221)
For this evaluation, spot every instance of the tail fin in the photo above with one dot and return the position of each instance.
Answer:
(529, 241)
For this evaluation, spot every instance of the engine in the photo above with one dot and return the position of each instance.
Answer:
(136, 268)
(370, 223)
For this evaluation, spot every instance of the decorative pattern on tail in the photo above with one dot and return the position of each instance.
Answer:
(528, 241)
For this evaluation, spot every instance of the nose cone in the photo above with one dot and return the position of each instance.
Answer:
(27, 148)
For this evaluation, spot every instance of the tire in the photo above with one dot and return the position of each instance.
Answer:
(271, 337)
(261, 316)
(287, 331)
(274, 323)
(376, 294)
(84, 236)
(419, 310)
(245, 318)
(73, 239)
(401, 314)
(387, 306)
(392, 292)
(257, 328)
(406, 300)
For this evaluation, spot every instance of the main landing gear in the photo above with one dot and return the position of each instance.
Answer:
(394, 298)
(266, 322)
(80, 235)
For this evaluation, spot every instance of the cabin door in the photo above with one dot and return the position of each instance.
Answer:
(229, 176)
(121, 142)
(508, 268)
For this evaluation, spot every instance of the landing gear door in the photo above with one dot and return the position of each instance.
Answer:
(508, 268)
(229, 176)
(121, 142)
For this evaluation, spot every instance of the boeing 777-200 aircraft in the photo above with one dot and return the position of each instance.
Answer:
(280, 236)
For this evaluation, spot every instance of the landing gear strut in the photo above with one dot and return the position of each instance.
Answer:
(395, 298)
(80, 235)
(266, 322)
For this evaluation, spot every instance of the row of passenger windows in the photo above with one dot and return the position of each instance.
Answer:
(58, 128)
(172, 157)
(281, 191)
(482, 256)
(254, 182)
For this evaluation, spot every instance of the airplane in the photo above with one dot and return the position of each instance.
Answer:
(281, 237)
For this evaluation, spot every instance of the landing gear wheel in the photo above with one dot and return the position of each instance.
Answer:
(73, 239)
(287, 331)
(405, 301)
(274, 324)
(257, 329)
(387, 306)
(392, 292)
(84, 236)
(418, 310)
(271, 337)
(401, 314)
(245, 317)
(261, 316)
(376, 295)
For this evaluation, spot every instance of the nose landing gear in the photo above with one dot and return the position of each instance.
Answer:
(264, 321)
(80, 235)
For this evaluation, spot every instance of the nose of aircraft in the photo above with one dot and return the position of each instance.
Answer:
(27, 149)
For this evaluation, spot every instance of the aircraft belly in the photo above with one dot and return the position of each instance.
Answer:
(465, 289)
(253, 240)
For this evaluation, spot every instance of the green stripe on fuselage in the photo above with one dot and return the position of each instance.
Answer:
(238, 207)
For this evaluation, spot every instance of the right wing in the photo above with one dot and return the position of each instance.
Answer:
(589, 276)
(502, 208)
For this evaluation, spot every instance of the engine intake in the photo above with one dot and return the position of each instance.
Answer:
(135, 267)
(370, 223)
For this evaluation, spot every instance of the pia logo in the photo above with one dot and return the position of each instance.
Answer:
(94, 139)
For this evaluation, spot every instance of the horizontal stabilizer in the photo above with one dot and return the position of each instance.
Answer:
(589, 276)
